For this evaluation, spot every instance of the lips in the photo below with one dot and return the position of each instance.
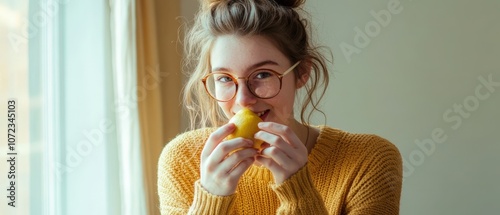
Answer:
(263, 114)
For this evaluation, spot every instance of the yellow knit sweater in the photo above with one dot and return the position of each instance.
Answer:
(346, 174)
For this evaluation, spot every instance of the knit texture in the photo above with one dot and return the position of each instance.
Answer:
(346, 173)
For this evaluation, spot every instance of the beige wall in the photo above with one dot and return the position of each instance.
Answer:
(417, 80)
(410, 80)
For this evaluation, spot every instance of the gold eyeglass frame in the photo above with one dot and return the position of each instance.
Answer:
(280, 77)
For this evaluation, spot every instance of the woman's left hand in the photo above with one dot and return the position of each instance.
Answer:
(285, 154)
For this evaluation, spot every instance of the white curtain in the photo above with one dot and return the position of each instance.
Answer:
(122, 18)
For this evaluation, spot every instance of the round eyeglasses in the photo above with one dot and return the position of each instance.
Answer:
(262, 83)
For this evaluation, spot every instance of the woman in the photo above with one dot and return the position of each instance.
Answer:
(258, 55)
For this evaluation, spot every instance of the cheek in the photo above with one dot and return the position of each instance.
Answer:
(288, 91)
(226, 108)
(283, 104)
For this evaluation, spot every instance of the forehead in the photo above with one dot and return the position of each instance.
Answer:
(241, 52)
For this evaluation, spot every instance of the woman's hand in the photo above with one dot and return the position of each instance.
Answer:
(285, 154)
(221, 168)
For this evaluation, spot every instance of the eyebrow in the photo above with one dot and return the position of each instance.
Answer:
(253, 67)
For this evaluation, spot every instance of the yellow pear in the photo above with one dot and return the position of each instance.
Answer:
(246, 123)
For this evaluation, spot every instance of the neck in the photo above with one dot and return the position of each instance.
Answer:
(305, 133)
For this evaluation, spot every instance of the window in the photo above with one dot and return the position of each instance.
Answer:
(15, 168)
(70, 153)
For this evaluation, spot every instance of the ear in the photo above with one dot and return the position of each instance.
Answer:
(304, 74)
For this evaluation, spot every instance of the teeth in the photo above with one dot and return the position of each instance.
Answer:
(261, 113)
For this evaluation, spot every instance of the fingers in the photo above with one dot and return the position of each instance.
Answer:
(285, 153)
(238, 171)
(282, 137)
(285, 132)
(278, 155)
(269, 163)
(233, 165)
(279, 164)
(279, 173)
(215, 138)
(225, 148)
(223, 162)
(276, 142)
(243, 162)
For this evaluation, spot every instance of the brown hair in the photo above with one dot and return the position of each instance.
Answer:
(278, 21)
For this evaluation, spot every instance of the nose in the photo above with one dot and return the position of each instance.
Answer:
(244, 97)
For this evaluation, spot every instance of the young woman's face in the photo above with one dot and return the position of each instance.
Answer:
(241, 56)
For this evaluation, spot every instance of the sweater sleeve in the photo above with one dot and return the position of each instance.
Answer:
(297, 195)
(376, 188)
(178, 187)
(206, 203)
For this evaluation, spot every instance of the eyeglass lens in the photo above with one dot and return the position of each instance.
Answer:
(263, 84)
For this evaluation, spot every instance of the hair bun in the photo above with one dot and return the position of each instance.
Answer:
(284, 3)
(290, 3)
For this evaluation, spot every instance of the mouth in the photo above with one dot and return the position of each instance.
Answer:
(263, 114)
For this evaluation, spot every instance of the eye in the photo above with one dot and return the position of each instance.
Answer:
(263, 74)
(223, 78)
